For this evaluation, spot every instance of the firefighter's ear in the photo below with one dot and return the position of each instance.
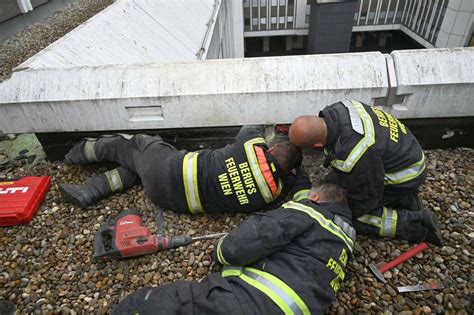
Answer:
(315, 198)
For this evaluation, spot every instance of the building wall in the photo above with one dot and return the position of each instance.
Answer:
(12, 8)
(432, 23)
(227, 39)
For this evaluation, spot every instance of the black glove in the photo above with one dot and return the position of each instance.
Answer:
(419, 226)
(300, 180)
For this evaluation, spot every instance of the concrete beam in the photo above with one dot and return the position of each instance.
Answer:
(186, 94)
(430, 83)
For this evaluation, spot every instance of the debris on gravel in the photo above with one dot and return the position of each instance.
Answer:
(47, 265)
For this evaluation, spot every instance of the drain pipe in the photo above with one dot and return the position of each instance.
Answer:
(24, 5)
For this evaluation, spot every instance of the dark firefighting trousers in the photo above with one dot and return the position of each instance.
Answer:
(213, 295)
(399, 214)
(143, 159)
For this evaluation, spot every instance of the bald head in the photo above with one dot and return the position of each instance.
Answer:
(308, 130)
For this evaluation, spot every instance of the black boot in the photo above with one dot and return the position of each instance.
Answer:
(82, 153)
(93, 190)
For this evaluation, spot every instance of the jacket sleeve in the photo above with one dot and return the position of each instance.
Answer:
(250, 132)
(301, 184)
(261, 235)
(365, 183)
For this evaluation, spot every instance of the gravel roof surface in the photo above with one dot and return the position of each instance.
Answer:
(34, 38)
(47, 264)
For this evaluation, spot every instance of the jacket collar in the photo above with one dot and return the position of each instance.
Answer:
(332, 124)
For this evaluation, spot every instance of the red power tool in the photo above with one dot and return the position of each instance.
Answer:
(128, 237)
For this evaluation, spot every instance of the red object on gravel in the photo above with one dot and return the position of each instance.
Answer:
(20, 199)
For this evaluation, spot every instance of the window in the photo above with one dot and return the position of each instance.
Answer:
(254, 21)
(254, 3)
(282, 19)
(290, 19)
(274, 3)
(282, 2)
(263, 20)
(307, 18)
(274, 20)
(246, 3)
(263, 3)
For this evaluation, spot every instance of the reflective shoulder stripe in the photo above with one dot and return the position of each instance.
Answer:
(114, 180)
(407, 173)
(300, 195)
(220, 257)
(362, 145)
(278, 291)
(257, 173)
(323, 222)
(89, 150)
(389, 223)
(356, 122)
(191, 183)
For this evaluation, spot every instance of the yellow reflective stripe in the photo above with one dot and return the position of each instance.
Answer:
(370, 219)
(362, 145)
(89, 150)
(220, 256)
(389, 223)
(278, 291)
(191, 183)
(323, 222)
(255, 167)
(407, 173)
(231, 272)
(302, 194)
(114, 180)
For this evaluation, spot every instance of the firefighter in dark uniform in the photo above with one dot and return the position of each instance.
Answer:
(291, 260)
(379, 162)
(245, 176)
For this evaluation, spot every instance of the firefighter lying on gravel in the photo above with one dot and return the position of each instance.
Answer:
(245, 176)
(380, 164)
(291, 260)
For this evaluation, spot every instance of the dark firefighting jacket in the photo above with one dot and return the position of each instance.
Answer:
(241, 177)
(291, 259)
(371, 151)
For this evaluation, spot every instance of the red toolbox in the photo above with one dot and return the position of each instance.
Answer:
(20, 199)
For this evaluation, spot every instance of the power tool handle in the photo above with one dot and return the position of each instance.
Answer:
(405, 256)
(99, 249)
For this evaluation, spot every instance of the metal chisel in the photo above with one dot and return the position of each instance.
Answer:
(421, 287)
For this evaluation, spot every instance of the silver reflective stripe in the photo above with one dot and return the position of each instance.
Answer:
(362, 145)
(270, 285)
(89, 150)
(370, 219)
(346, 227)
(114, 180)
(356, 122)
(406, 174)
(389, 223)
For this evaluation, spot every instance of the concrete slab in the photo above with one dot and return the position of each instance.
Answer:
(132, 32)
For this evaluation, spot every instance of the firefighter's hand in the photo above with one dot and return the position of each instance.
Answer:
(431, 224)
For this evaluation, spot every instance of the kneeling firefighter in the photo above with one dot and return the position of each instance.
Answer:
(379, 162)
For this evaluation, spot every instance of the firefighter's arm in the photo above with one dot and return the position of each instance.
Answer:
(301, 184)
(260, 235)
(249, 132)
(365, 183)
